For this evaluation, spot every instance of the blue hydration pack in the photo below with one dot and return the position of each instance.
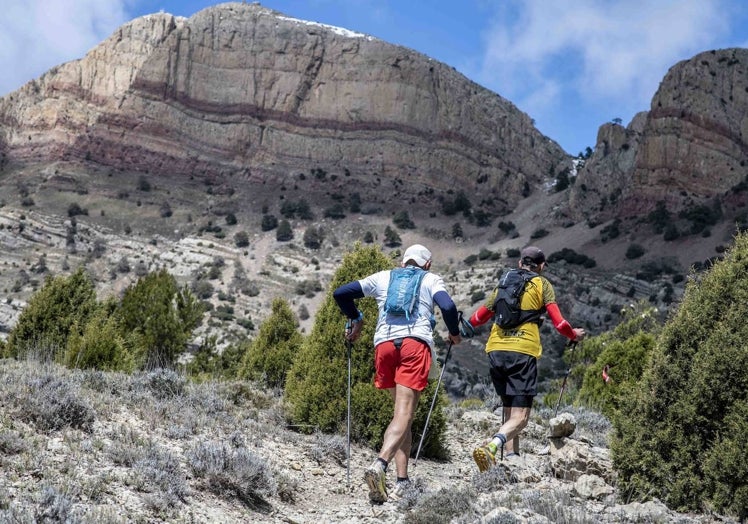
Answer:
(404, 291)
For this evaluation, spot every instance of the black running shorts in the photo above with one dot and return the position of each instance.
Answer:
(514, 375)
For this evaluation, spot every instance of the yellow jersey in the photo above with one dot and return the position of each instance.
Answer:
(524, 338)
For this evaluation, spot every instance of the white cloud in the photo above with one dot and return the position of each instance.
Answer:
(36, 35)
(597, 49)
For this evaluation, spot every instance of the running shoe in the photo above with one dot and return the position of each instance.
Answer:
(375, 478)
(401, 487)
(485, 456)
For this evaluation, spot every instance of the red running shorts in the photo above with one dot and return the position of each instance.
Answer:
(407, 365)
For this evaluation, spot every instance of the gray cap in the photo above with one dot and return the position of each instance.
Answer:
(533, 255)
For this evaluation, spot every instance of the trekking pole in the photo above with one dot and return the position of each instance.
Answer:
(571, 347)
(433, 401)
(349, 346)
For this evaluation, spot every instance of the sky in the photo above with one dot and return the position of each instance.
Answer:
(571, 65)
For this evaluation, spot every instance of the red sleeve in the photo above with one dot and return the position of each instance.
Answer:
(561, 325)
(481, 316)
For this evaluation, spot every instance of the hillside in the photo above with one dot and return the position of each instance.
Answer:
(92, 447)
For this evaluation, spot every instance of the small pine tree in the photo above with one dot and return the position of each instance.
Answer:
(625, 351)
(100, 344)
(269, 222)
(158, 318)
(303, 211)
(457, 230)
(271, 353)
(241, 239)
(313, 237)
(62, 305)
(316, 384)
(403, 221)
(391, 238)
(284, 233)
(682, 438)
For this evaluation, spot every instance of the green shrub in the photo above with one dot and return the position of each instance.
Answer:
(75, 209)
(391, 238)
(482, 218)
(562, 180)
(303, 210)
(60, 306)
(211, 364)
(313, 237)
(308, 287)
(241, 239)
(143, 183)
(725, 464)
(403, 221)
(624, 348)
(268, 222)
(702, 216)
(271, 353)
(682, 439)
(659, 217)
(165, 210)
(316, 384)
(572, 257)
(235, 472)
(158, 318)
(100, 345)
(507, 227)
(610, 231)
(478, 296)
(284, 233)
(624, 362)
(54, 403)
(634, 251)
(671, 233)
(354, 202)
(336, 211)
(470, 259)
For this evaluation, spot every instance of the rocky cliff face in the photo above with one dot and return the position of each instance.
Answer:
(690, 149)
(239, 91)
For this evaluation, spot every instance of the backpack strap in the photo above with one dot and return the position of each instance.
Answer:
(530, 315)
(526, 315)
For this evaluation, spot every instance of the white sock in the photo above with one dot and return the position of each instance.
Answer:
(498, 440)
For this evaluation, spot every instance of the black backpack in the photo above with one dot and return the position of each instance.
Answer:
(507, 312)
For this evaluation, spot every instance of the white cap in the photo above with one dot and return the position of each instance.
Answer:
(418, 254)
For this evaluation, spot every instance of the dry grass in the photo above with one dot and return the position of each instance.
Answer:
(77, 445)
(94, 447)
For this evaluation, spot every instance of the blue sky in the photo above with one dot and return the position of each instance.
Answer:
(571, 65)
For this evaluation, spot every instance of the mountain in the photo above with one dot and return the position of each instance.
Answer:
(242, 95)
(175, 136)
